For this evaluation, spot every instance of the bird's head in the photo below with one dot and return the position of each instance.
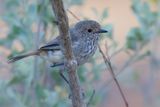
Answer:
(89, 28)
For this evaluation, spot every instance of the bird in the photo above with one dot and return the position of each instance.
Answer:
(84, 37)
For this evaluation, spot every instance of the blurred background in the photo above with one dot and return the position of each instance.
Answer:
(132, 43)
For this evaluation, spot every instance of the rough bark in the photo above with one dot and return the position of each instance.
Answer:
(71, 63)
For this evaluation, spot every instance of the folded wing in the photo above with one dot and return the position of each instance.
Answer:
(53, 45)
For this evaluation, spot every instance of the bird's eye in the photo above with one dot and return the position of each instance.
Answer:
(89, 30)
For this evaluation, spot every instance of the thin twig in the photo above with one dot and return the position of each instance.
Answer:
(128, 63)
(132, 59)
(117, 52)
(73, 14)
(108, 63)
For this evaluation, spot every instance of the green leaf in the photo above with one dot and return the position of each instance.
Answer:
(134, 37)
(17, 79)
(32, 12)
(10, 4)
(142, 56)
(144, 14)
(95, 11)
(3, 41)
(76, 2)
(136, 76)
(131, 44)
(109, 28)
(135, 33)
(105, 14)
(11, 19)
(40, 92)
(81, 71)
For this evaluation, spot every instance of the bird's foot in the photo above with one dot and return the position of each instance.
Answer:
(57, 64)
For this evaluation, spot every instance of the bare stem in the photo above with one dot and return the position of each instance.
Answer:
(108, 64)
(73, 15)
(132, 59)
(71, 64)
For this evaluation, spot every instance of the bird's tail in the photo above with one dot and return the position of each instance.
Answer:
(16, 58)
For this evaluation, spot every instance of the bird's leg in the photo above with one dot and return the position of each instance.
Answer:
(61, 71)
(64, 78)
(56, 22)
(57, 64)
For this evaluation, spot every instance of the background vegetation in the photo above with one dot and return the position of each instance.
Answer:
(33, 83)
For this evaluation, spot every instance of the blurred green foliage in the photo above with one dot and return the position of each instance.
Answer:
(148, 19)
(139, 38)
(25, 89)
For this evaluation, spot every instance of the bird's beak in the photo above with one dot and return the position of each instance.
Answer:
(102, 31)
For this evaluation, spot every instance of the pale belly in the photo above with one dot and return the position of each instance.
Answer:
(58, 57)
(53, 57)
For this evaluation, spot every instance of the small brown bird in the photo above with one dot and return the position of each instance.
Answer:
(84, 37)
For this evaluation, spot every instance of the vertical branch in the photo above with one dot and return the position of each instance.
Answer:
(108, 63)
(71, 63)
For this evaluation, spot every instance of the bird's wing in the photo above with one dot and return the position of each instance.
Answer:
(52, 45)
(55, 43)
